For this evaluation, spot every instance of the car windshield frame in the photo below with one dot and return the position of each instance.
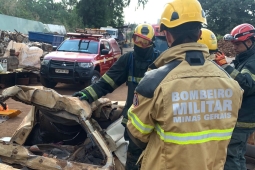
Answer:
(80, 46)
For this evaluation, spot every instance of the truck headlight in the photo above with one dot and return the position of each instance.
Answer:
(45, 62)
(85, 65)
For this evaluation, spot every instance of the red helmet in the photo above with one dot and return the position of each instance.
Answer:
(241, 32)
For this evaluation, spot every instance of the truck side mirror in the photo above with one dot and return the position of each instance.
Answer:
(54, 48)
(104, 52)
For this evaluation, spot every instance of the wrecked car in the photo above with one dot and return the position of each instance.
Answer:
(64, 133)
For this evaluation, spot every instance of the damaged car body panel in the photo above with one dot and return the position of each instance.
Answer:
(61, 133)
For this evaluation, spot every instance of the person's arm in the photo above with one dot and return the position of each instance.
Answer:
(245, 78)
(147, 108)
(143, 115)
(113, 78)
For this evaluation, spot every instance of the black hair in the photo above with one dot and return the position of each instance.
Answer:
(185, 33)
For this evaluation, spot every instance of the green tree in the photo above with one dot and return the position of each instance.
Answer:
(224, 15)
(98, 13)
(93, 12)
(45, 11)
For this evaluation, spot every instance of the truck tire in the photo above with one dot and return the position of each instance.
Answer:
(95, 77)
(47, 83)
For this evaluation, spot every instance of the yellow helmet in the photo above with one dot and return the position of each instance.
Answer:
(178, 12)
(143, 35)
(208, 38)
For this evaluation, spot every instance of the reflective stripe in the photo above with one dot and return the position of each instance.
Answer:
(124, 120)
(135, 79)
(245, 125)
(109, 81)
(194, 137)
(234, 73)
(248, 71)
(139, 125)
(92, 92)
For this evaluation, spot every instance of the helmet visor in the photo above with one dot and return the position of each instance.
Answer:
(141, 42)
(229, 37)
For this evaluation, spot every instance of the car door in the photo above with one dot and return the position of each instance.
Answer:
(104, 64)
(110, 59)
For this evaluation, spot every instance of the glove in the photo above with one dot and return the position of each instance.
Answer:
(220, 58)
(81, 95)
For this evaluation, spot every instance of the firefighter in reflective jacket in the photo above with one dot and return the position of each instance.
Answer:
(129, 68)
(185, 110)
(243, 71)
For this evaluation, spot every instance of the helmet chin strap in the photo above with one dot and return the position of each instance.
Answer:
(245, 45)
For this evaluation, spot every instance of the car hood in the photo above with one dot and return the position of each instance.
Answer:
(71, 56)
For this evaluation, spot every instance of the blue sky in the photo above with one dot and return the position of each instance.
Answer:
(150, 14)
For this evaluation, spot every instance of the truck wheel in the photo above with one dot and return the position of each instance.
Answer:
(47, 83)
(95, 77)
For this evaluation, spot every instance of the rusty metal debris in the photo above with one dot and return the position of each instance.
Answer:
(60, 134)
(7, 36)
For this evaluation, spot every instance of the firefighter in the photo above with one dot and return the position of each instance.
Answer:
(129, 68)
(209, 39)
(243, 71)
(184, 112)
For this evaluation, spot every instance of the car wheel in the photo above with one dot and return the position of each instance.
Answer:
(47, 83)
(95, 77)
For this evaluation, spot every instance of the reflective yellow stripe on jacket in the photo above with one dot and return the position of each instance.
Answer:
(139, 125)
(194, 137)
(248, 71)
(181, 138)
(109, 81)
(136, 79)
(92, 92)
(245, 125)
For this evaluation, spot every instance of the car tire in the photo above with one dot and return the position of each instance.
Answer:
(95, 77)
(47, 83)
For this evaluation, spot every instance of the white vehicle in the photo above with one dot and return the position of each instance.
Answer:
(113, 32)
(116, 34)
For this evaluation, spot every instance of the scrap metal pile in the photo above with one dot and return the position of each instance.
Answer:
(7, 36)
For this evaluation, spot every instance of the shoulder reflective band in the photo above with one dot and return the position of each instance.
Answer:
(109, 81)
(92, 92)
(138, 124)
(245, 125)
(243, 71)
(194, 137)
(134, 79)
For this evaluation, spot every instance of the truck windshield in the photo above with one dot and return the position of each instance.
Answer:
(111, 32)
(82, 46)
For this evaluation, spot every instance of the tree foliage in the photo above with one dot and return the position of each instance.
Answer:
(224, 15)
(70, 13)
(45, 11)
(98, 13)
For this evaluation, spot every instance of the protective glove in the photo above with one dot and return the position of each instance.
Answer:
(220, 58)
(81, 95)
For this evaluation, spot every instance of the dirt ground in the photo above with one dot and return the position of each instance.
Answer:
(8, 127)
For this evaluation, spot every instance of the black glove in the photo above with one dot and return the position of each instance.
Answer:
(81, 95)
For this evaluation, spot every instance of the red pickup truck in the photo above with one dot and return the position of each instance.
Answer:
(82, 58)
